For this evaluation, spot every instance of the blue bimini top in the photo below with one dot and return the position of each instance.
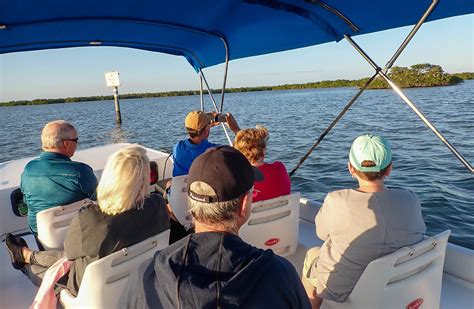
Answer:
(202, 31)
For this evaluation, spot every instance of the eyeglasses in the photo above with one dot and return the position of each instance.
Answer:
(75, 140)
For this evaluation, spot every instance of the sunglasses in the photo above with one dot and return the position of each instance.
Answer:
(75, 140)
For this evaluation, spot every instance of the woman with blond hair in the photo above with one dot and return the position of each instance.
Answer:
(125, 214)
(252, 143)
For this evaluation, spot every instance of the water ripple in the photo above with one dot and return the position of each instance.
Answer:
(295, 120)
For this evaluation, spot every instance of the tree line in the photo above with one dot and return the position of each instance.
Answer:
(418, 75)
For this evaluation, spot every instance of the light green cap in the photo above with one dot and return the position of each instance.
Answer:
(371, 148)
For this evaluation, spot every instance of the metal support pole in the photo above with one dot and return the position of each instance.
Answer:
(226, 134)
(201, 95)
(215, 105)
(412, 106)
(118, 115)
(410, 35)
(209, 91)
(378, 71)
(225, 72)
(333, 123)
(420, 114)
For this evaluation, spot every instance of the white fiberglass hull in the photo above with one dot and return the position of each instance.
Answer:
(16, 291)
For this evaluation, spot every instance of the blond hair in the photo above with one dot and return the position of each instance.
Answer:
(125, 181)
(252, 143)
(55, 132)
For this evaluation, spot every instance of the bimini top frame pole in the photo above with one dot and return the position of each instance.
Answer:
(333, 123)
(202, 77)
(215, 105)
(225, 71)
(412, 106)
(410, 36)
(378, 71)
(201, 95)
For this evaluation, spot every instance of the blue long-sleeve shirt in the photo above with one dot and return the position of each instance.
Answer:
(184, 153)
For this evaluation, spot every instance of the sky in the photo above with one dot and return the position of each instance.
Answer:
(76, 72)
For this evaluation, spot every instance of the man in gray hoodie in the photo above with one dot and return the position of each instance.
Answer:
(215, 268)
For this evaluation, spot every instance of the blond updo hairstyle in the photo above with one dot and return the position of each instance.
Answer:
(252, 143)
(125, 181)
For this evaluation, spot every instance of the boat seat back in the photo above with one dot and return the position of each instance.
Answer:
(105, 279)
(273, 224)
(54, 222)
(407, 278)
(178, 199)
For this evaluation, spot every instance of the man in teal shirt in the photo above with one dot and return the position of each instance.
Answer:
(54, 179)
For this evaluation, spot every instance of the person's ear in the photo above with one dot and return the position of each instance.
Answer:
(65, 143)
(350, 168)
(389, 169)
(246, 206)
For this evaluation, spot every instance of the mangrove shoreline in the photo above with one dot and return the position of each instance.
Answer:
(419, 75)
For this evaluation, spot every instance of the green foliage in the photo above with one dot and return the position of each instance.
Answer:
(465, 75)
(418, 75)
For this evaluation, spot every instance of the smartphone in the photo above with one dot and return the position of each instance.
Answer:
(220, 118)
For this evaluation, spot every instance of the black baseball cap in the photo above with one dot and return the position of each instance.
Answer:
(221, 174)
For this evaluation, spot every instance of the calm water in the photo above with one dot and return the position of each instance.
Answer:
(295, 119)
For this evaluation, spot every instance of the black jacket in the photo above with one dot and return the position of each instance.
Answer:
(212, 270)
(94, 234)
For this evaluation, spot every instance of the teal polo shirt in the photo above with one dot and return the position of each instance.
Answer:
(54, 179)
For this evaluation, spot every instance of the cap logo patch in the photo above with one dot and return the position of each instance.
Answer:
(197, 198)
(202, 198)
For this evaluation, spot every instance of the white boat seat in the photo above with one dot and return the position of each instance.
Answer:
(273, 224)
(408, 278)
(105, 279)
(53, 223)
(178, 199)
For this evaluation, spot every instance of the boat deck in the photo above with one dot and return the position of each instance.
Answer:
(455, 294)
(16, 291)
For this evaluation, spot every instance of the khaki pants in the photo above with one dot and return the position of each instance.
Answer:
(309, 264)
(319, 284)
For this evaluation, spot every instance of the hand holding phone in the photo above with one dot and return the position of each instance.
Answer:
(220, 118)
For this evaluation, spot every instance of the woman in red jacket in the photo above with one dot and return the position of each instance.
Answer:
(252, 143)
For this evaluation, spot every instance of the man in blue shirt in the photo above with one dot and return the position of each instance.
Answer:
(54, 179)
(198, 125)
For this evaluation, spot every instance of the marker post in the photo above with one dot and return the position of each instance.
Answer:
(112, 80)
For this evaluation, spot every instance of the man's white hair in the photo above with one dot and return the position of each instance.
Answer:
(215, 214)
(55, 132)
